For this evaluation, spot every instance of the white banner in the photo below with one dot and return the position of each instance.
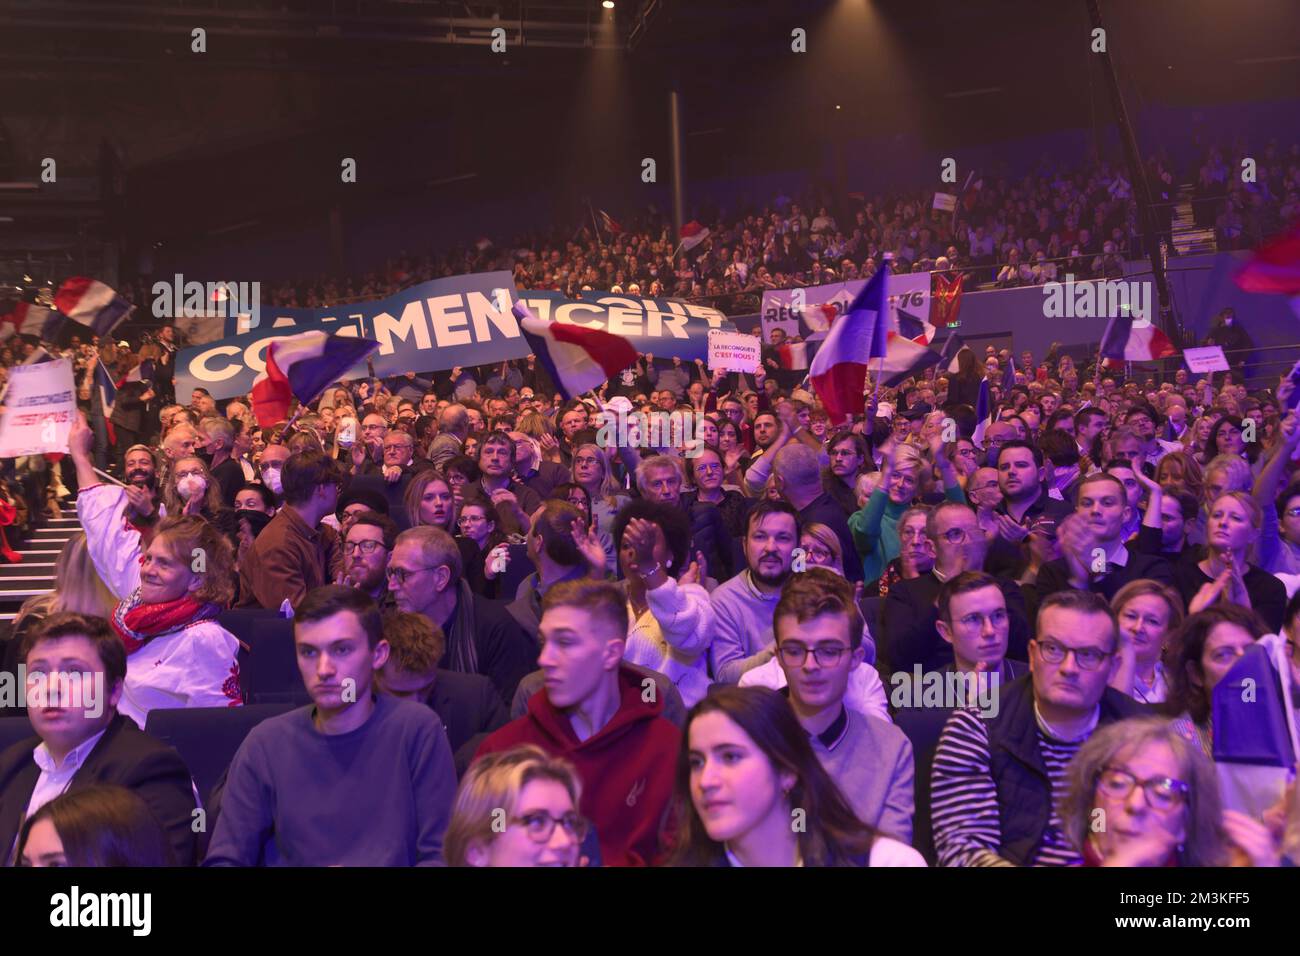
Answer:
(40, 407)
(1209, 358)
(734, 351)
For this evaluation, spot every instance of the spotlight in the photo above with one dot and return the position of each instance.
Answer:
(607, 4)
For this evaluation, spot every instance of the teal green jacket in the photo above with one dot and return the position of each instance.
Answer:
(875, 529)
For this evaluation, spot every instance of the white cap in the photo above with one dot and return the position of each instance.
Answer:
(884, 410)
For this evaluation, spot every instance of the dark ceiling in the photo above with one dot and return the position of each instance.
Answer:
(411, 87)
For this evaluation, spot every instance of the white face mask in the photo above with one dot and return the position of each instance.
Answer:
(271, 478)
(191, 486)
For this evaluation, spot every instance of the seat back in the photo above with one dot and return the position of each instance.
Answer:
(923, 725)
(268, 669)
(208, 737)
(14, 729)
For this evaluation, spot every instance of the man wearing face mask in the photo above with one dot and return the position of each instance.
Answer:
(219, 434)
(269, 467)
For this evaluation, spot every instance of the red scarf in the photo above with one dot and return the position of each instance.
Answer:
(137, 623)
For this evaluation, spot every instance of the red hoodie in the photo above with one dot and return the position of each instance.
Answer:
(626, 769)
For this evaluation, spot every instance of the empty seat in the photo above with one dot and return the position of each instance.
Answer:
(208, 737)
(268, 669)
(14, 729)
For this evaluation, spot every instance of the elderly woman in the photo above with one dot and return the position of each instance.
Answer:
(1141, 795)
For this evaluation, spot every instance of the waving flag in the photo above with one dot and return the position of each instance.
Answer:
(1274, 267)
(905, 359)
(1009, 375)
(106, 388)
(611, 225)
(92, 304)
(578, 359)
(1254, 729)
(693, 233)
(793, 355)
(27, 318)
(953, 346)
(1123, 342)
(839, 369)
(983, 413)
(302, 366)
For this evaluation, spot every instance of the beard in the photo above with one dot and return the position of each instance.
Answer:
(143, 479)
(771, 580)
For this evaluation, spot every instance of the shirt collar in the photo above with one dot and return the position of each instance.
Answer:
(73, 761)
(755, 592)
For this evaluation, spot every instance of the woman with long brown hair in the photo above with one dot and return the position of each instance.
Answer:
(751, 792)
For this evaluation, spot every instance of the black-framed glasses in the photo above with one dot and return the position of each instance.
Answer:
(401, 574)
(1160, 793)
(955, 535)
(365, 547)
(540, 826)
(827, 655)
(1088, 658)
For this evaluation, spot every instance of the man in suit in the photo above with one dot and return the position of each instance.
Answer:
(910, 635)
(1094, 554)
(468, 704)
(81, 740)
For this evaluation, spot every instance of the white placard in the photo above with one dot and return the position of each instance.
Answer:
(946, 202)
(40, 406)
(734, 351)
(1210, 358)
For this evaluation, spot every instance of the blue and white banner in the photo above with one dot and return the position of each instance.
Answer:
(808, 312)
(461, 321)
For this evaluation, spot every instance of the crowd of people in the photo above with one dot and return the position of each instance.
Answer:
(521, 644)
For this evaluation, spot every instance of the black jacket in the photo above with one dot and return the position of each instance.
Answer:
(1016, 765)
(1055, 575)
(910, 635)
(125, 756)
(470, 708)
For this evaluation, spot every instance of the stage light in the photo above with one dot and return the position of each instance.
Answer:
(608, 4)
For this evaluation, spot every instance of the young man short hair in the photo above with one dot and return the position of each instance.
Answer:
(819, 644)
(356, 778)
(602, 716)
(76, 670)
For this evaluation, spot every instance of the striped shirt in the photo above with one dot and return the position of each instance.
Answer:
(964, 798)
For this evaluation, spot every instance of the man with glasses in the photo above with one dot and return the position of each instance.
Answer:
(295, 552)
(910, 635)
(368, 453)
(1142, 420)
(998, 782)
(425, 576)
(367, 542)
(819, 644)
(995, 436)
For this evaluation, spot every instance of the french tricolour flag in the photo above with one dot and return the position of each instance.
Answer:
(30, 319)
(302, 366)
(578, 359)
(92, 304)
(1124, 342)
(839, 369)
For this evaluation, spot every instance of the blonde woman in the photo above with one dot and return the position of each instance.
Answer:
(518, 807)
(592, 470)
(78, 588)
(1149, 613)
